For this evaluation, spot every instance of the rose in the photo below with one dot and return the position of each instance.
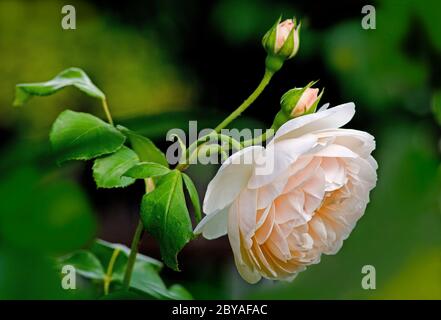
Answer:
(283, 39)
(280, 221)
(283, 30)
(281, 43)
(297, 102)
(306, 101)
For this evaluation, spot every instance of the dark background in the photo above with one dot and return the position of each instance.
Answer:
(163, 63)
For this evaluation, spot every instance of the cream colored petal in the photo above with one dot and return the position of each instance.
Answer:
(335, 150)
(327, 119)
(279, 157)
(263, 262)
(323, 107)
(278, 244)
(318, 230)
(265, 228)
(269, 192)
(247, 202)
(285, 270)
(335, 174)
(231, 178)
(287, 228)
(290, 207)
(214, 225)
(243, 264)
(297, 177)
(359, 142)
(314, 189)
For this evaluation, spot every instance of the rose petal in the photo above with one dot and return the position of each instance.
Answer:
(231, 178)
(214, 225)
(327, 119)
(279, 157)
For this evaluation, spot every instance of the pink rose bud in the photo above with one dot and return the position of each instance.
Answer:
(306, 101)
(299, 101)
(281, 43)
(284, 29)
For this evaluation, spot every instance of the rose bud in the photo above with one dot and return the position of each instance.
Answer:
(300, 101)
(281, 43)
(297, 102)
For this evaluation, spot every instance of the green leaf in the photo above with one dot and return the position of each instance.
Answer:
(69, 77)
(144, 147)
(108, 171)
(436, 106)
(145, 276)
(179, 292)
(145, 170)
(147, 280)
(103, 250)
(85, 264)
(194, 196)
(81, 136)
(165, 216)
(44, 215)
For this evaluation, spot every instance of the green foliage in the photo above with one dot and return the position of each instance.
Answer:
(43, 215)
(145, 281)
(81, 136)
(146, 170)
(165, 217)
(382, 71)
(104, 250)
(144, 147)
(69, 77)
(27, 274)
(436, 106)
(108, 171)
(86, 264)
(194, 197)
(102, 46)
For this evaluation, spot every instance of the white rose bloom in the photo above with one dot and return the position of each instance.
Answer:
(279, 221)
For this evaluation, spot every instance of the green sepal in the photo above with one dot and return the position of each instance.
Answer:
(269, 39)
(279, 120)
(291, 97)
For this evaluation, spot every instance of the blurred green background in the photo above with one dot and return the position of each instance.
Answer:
(163, 63)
